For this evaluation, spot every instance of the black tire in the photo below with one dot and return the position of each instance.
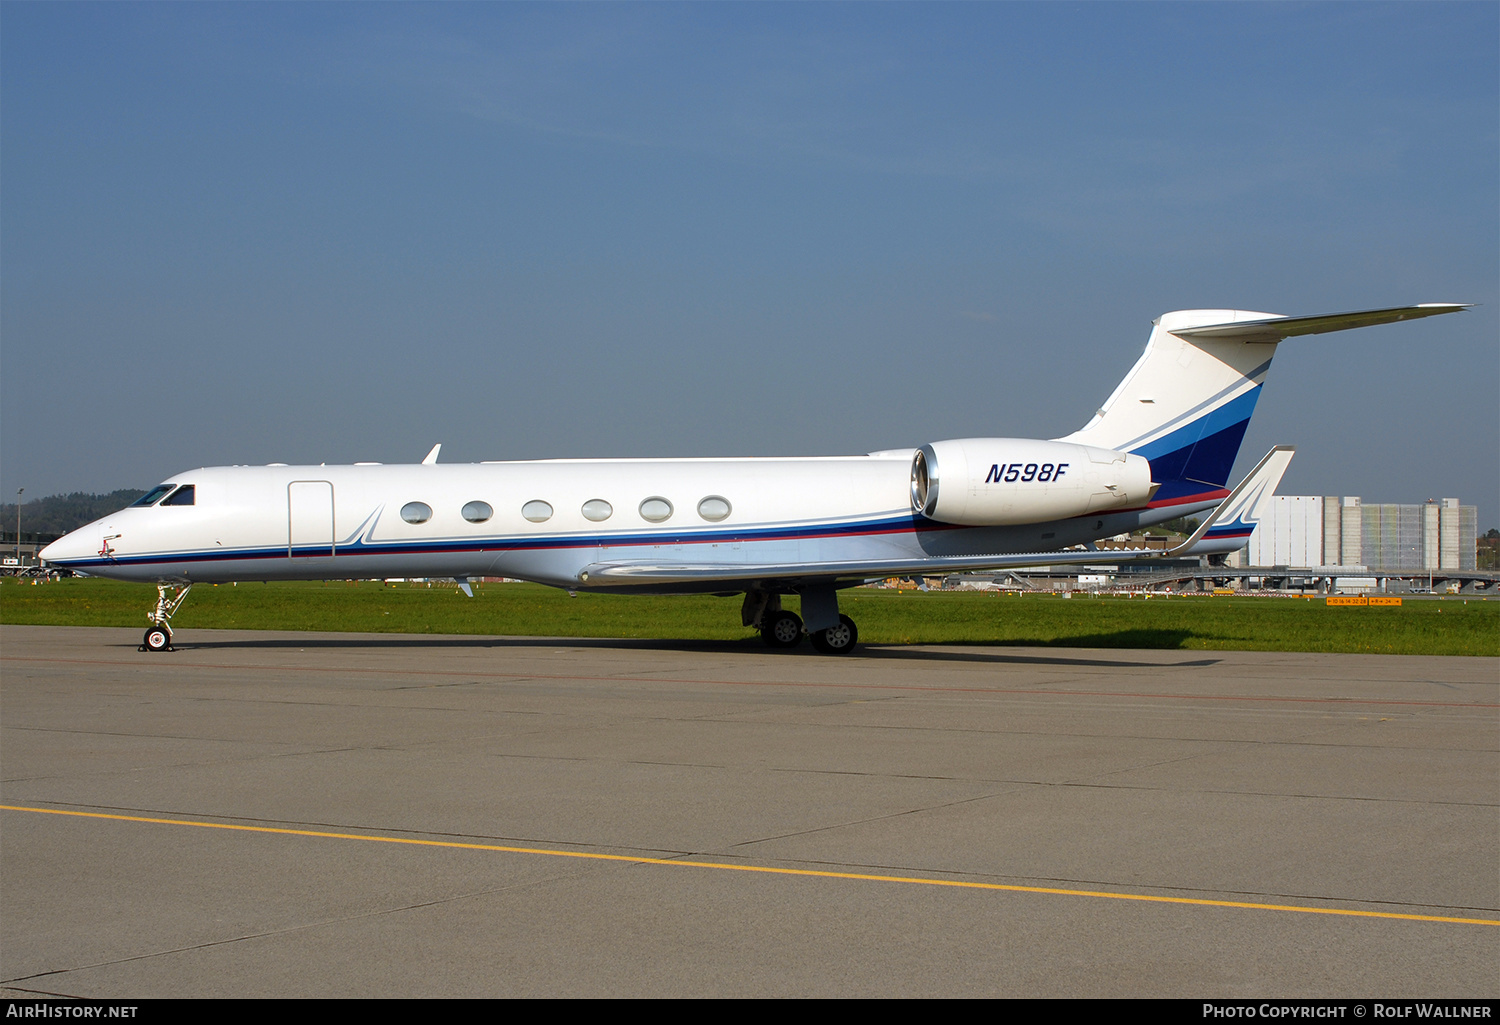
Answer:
(158, 638)
(782, 629)
(837, 640)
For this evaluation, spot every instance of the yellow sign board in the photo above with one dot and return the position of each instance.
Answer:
(1348, 599)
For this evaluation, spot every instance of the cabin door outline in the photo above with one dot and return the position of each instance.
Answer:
(309, 519)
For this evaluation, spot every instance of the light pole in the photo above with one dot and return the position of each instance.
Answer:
(19, 492)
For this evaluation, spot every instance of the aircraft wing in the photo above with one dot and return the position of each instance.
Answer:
(1231, 522)
(1274, 329)
(606, 574)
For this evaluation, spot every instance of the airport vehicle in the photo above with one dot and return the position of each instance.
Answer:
(1162, 446)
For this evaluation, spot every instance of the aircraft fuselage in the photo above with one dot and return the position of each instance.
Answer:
(547, 521)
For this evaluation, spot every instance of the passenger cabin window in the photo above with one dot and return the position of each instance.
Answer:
(597, 509)
(477, 512)
(537, 511)
(152, 497)
(656, 509)
(714, 508)
(182, 496)
(416, 512)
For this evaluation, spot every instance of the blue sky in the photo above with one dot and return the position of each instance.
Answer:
(305, 233)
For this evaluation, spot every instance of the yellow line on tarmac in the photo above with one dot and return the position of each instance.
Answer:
(674, 863)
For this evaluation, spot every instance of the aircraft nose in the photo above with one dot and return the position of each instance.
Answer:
(70, 547)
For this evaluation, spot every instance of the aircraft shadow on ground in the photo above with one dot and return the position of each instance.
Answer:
(1154, 640)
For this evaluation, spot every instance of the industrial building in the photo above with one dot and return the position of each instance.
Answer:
(1302, 543)
(1314, 530)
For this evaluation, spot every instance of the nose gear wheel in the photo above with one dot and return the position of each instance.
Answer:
(169, 598)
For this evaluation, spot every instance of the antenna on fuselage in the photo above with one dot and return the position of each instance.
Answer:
(431, 459)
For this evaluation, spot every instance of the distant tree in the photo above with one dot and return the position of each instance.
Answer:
(58, 514)
(1182, 525)
(1487, 550)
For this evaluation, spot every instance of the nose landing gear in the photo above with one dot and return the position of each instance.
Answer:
(169, 598)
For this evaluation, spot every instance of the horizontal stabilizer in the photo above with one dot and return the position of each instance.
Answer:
(1274, 329)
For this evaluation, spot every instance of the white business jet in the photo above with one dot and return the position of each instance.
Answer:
(1160, 447)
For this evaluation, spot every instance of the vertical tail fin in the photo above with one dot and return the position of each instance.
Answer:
(1185, 404)
(1187, 401)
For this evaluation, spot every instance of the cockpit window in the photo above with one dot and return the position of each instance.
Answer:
(152, 497)
(182, 496)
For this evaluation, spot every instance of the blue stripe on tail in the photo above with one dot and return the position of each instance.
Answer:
(1201, 452)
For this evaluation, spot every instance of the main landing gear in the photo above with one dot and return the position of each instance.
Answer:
(836, 640)
(780, 628)
(169, 598)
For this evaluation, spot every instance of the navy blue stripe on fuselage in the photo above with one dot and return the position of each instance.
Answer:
(910, 523)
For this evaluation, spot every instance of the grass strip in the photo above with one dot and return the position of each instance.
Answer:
(1447, 626)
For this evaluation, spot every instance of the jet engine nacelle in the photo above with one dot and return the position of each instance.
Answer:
(994, 482)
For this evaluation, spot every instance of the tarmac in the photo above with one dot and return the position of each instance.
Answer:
(285, 814)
